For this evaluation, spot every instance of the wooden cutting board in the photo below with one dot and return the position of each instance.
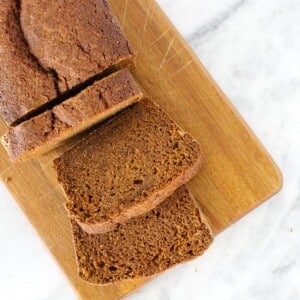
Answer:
(238, 174)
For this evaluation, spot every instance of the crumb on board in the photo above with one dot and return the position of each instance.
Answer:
(7, 179)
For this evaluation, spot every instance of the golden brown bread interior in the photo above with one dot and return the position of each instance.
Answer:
(126, 167)
(172, 233)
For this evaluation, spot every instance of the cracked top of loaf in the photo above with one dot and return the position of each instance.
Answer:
(77, 39)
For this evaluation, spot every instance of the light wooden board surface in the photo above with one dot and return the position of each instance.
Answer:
(238, 174)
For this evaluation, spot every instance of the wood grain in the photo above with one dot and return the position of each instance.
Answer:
(238, 174)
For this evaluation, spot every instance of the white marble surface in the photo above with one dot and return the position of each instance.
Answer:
(251, 47)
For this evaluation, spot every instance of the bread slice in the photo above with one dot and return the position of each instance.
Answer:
(173, 232)
(126, 167)
(24, 85)
(77, 39)
(47, 130)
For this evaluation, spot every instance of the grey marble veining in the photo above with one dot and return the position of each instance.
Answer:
(215, 23)
(251, 48)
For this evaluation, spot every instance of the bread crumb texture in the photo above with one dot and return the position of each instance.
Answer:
(171, 233)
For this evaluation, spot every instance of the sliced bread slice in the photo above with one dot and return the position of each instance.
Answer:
(173, 232)
(126, 167)
(94, 104)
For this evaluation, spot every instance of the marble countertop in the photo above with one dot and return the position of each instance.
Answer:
(252, 49)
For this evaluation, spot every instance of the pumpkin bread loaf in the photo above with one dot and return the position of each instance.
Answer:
(126, 167)
(47, 130)
(172, 233)
(48, 48)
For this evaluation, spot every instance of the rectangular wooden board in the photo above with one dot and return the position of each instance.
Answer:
(238, 174)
